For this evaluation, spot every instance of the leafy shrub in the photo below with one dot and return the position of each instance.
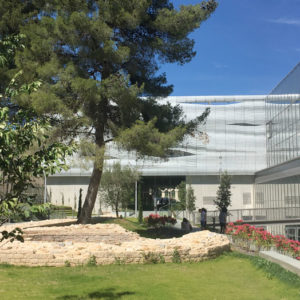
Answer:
(41, 211)
(153, 258)
(16, 234)
(161, 259)
(92, 261)
(155, 220)
(176, 258)
(28, 211)
(62, 207)
(119, 261)
(24, 156)
(67, 263)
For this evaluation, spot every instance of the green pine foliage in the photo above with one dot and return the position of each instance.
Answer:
(190, 199)
(182, 195)
(95, 59)
(223, 199)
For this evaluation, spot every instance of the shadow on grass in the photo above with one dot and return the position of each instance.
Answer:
(109, 294)
(161, 233)
(103, 220)
(132, 224)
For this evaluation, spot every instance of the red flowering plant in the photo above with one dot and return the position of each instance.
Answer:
(287, 246)
(152, 220)
(262, 238)
(156, 221)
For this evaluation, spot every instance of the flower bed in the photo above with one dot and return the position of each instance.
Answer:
(249, 236)
(155, 220)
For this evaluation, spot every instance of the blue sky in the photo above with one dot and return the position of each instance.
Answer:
(246, 47)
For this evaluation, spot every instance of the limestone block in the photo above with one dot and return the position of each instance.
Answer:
(107, 242)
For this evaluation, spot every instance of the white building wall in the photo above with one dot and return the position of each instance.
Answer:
(62, 190)
(207, 186)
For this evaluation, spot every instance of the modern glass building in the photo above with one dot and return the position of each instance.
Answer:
(234, 131)
(232, 140)
(255, 138)
(278, 186)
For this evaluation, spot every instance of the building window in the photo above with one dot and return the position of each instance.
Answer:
(292, 232)
(291, 200)
(259, 198)
(292, 212)
(246, 198)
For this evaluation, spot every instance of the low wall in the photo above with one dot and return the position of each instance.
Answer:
(107, 244)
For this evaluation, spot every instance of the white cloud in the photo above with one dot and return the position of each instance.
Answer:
(285, 21)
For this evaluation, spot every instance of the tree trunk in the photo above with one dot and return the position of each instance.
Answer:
(140, 203)
(117, 212)
(91, 196)
(117, 205)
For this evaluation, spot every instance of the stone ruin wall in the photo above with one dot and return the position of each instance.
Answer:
(107, 243)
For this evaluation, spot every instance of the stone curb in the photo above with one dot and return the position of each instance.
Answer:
(286, 262)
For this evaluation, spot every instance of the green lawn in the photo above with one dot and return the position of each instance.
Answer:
(231, 276)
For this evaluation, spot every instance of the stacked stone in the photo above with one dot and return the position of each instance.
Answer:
(108, 243)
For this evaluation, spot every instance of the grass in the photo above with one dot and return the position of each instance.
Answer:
(271, 269)
(230, 276)
(132, 224)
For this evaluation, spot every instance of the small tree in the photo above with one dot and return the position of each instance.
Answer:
(117, 185)
(223, 194)
(25, 151)
(182, 195)
(24, 156)
(190, 199)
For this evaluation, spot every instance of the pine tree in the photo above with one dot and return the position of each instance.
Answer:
(223, 194)
(190, 199)
(96, 59)
(182, 195)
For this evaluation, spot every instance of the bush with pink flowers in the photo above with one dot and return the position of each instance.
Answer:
(262, 239)
(155, 220)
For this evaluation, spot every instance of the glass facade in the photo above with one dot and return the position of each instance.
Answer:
(283, 120)
(233, 139)
(255, 138)
(281, 193)
(277, 188)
